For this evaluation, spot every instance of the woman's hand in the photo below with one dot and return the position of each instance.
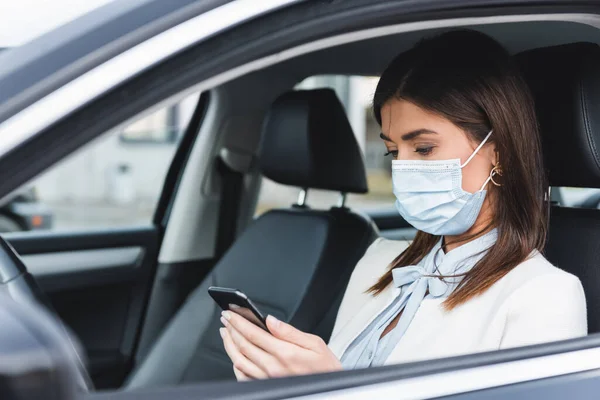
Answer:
(256, 354)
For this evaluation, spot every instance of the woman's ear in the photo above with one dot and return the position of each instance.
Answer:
(496, 156)
(491, 153)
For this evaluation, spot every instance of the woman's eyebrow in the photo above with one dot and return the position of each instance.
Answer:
(384, 137)
(414, 134)
(409, 135)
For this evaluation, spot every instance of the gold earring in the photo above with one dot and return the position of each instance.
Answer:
(496, 171)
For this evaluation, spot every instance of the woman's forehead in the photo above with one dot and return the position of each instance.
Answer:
(399, 117)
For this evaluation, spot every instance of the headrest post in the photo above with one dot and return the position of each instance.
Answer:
(302, 198)
(342, 200)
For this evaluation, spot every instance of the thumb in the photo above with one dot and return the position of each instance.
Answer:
(288, 333)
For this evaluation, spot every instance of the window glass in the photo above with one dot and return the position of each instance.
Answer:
(356, 94)
(576, 197)
(114, 181)
(159, 127)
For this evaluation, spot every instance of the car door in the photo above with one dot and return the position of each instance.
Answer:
(106, 205)
(500, 377)
(97, 281)
(97, 258)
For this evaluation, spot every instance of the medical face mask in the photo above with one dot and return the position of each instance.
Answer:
(430, 197)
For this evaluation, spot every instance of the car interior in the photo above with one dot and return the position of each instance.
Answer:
(299, 260)
(137, 298)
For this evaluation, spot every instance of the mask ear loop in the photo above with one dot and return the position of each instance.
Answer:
(495, 171)
(477, 149)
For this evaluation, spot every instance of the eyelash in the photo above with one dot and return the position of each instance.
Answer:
(424, 151)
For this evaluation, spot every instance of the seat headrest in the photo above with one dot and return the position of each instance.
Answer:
(565, 81)
(308, 142)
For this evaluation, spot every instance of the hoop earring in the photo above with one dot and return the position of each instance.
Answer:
(495, 171)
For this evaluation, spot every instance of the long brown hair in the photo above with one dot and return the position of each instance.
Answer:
(470, 79)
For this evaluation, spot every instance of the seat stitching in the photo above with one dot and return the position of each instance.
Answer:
(588, 130)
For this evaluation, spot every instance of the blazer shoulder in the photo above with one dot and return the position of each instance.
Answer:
(537, 274)
(536, 266)
(544, 304)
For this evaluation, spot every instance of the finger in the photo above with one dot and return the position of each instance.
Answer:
(258, 336)
(265, 361)
(239, 375)
(288, 333)
(240, 362)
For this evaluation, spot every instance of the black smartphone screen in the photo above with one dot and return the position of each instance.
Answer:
(237, 302)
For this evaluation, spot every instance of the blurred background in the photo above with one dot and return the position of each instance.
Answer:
(113, 181)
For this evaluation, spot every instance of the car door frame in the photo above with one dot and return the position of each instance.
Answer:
(512, 373)
(118, 265)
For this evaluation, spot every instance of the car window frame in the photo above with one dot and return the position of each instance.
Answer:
(460, 377)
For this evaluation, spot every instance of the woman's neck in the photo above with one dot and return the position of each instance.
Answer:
(483, 224)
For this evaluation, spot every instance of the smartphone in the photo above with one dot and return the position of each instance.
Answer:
(237, 302)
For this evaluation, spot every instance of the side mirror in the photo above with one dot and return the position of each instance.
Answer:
(37, 360)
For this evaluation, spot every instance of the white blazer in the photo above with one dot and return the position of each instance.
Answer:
(534, 303)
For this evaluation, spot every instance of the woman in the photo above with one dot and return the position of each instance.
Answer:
(468, 175)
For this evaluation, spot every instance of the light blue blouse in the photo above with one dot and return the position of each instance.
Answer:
(411, 283)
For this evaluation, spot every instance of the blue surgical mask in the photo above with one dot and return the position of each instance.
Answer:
(430, 197)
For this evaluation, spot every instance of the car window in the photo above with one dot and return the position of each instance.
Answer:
(578, 197)
(114, 181)
(355, 93)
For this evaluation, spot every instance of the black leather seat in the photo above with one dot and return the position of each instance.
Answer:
(294, 263)
(565, 81)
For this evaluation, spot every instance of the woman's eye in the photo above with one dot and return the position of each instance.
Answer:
(424, 150)
(393, 153)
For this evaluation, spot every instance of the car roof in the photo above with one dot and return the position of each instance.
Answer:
(377, 52)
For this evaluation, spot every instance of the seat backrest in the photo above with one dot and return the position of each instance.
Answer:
(574, 245)
(565, 82)
(293, 263)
